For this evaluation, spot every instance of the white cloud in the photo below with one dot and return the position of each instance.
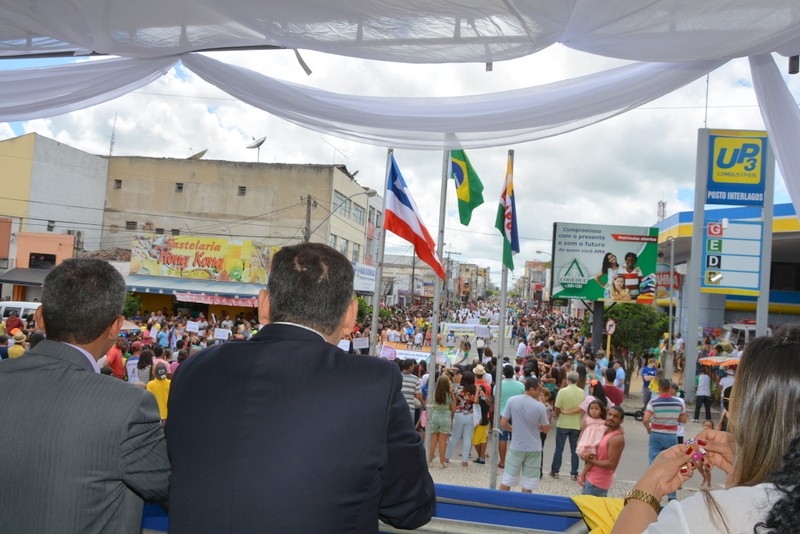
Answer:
(614, 172)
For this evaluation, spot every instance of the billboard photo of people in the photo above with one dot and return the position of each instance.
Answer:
(604, 262)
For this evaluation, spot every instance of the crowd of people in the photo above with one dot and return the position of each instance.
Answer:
(104, 444)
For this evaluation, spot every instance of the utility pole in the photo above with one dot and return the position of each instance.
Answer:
(307, 230)
(448, 272)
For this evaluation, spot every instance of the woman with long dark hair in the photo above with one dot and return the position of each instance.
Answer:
(760, 489)
(441, 423)
(466, 398)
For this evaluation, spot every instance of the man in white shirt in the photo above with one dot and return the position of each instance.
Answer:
(725, 382)
(522, 349)
(529, 417)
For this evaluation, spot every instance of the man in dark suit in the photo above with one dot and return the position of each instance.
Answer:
(79, 451)
(286, 432)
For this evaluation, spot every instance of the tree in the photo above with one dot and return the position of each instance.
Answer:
(639, 328)
(364, 310)
(133, 303)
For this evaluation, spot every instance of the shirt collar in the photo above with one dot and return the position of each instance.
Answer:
(89, 357)
(303, 326)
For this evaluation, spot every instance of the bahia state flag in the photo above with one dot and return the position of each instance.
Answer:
(507, 216)
(469, 189)
(402, 219)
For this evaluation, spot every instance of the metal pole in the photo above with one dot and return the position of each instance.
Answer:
(437, 302)
(494, 453)
(693, 267)
(666, 365)
(762, 302)
(376, 295)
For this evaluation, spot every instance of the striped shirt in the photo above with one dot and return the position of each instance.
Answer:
(411, 386)
(665, 410)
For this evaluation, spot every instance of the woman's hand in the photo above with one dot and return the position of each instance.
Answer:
(720, 449)
(669, 471)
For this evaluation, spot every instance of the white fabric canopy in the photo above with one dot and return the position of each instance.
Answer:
(36, 93)
(676, 41)
(422, 31)
(496, 119)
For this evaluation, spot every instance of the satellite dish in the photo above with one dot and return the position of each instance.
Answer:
(257, 142)
(257, 145)
(198, 155)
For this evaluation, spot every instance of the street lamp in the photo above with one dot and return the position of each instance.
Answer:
(308, 231)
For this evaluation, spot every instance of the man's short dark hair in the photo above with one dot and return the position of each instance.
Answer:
(310, 284)
(3, 339)
(81, 297)
(532, 383)
(508, 371)
(407, 364)
(611, 375)
(663, 385)
(620, 410)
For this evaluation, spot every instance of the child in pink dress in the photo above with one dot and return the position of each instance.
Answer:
(594, 428)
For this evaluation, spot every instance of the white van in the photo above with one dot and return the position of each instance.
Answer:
(741, 332)
(23, 309)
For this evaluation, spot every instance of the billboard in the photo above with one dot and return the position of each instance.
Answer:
(604, 262)
(737, 167)
(203, 258)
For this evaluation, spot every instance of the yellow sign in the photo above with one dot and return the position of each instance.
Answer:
(205, 258)
(737, 157)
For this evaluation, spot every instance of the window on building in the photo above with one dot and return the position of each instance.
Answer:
(130, 225)
(343, 246)
(242, 190)
(341, 204)
(358, 214)
(51, 225)
(371, 216)
(160, 231)
(117, 184)
(38, 260)
(179, 187)
(176, 231)
(378, 219)
(356, 252)
(332, 241)
(784, 277)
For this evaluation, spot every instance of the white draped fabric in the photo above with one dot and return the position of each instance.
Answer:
(782, 117)
(411, 31)
(43, 92)
(676, 41)
(496, 119)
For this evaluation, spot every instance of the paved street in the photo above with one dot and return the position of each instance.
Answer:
(634, 460)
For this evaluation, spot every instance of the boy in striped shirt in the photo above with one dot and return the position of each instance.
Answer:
(661, 418)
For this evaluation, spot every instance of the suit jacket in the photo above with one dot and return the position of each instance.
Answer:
(288, 433)
(78, 450)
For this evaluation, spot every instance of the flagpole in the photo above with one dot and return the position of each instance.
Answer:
(498, 372)
(437, 299)
(376, 294)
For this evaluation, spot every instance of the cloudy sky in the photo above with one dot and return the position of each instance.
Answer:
(614, 172)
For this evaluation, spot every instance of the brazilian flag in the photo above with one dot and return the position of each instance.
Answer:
(469, 188)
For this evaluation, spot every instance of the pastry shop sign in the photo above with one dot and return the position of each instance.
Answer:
(204, 258)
